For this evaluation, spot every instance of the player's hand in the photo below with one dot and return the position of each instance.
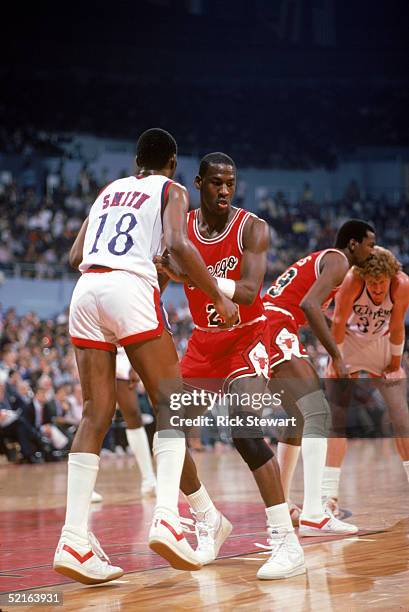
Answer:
(226, 309)
(339, 368)
(164, 265)
(393, 372)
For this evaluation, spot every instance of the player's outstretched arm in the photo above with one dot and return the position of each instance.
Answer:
(332, 274)
(400, 296)
(187, 257)
(76, 252)
(254, 261)
(344, 301)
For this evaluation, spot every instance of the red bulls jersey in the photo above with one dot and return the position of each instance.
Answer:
(222, 256)
(290, 288)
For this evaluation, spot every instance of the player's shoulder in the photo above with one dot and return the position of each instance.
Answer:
(333, 259)
(400, 285)
(254, 229)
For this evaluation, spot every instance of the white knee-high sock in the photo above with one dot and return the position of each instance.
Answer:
(314, 453)
(82, 474)
(287, 457)
(406, 468)
(169, 453)
(330, 481)
(138, 441)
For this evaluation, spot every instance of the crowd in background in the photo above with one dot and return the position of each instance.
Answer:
(38, 229)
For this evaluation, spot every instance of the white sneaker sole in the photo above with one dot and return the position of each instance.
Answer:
(318, 533)
(72, 572)
(162, 547)
(296, 571)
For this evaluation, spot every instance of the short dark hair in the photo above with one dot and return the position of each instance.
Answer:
(213, 159)
(154, 149)
(354, 229)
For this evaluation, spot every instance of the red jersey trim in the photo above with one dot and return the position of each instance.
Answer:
(221, 236)
(150, 333)
(94, 344)
(99, 270)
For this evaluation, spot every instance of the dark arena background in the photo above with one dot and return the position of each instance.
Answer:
(310, 98)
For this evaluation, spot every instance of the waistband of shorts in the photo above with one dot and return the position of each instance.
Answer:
(230, 329)
(269, 306)
(96, 269)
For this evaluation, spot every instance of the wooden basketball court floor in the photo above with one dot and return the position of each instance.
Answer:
(365, 572)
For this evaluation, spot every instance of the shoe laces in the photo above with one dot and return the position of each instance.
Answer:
(97, 548)
(275, 542)
(203, 529)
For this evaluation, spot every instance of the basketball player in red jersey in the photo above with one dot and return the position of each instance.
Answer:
(297, 297)
(233, 244)
(369, 330)
(116, 303)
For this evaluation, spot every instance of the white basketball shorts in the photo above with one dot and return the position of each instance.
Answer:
(114, 307)
(361, 355)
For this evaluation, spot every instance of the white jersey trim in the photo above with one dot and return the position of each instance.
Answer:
(217, 238)
(321, 255)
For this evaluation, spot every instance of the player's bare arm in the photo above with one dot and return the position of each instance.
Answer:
(187, 256)
(344, 301)
(76, 252)
(334, 269)
(254, 262)
(400, 296)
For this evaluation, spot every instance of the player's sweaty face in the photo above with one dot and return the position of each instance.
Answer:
(217, 188)
(378, 287)
(365, 248)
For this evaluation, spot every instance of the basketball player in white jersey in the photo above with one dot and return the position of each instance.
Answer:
(126, 379)
(116, 303)
(369, 329)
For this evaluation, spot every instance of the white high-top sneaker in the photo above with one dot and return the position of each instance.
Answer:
(167, 539)
(211, 533)
(286, 558)
(83, 559)
(328, 525)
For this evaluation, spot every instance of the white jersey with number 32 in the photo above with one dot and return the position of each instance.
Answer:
(368, 320)
(125, 226)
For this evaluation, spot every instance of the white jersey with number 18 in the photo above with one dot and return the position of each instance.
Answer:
(125, 226)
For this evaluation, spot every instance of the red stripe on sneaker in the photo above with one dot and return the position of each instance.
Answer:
(317, 525)
(178, 536)
(80, 558)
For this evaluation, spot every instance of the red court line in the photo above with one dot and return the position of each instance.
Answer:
(28, 539)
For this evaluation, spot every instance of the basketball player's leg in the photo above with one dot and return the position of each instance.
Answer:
(250, 443)
(136, 434)
(394, 393)
(299, 377)
(77, 555)
(339, 393)
(157, 364)
(289, 447)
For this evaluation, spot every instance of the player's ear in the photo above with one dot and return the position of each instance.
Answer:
(352, 245)
(198, 181)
